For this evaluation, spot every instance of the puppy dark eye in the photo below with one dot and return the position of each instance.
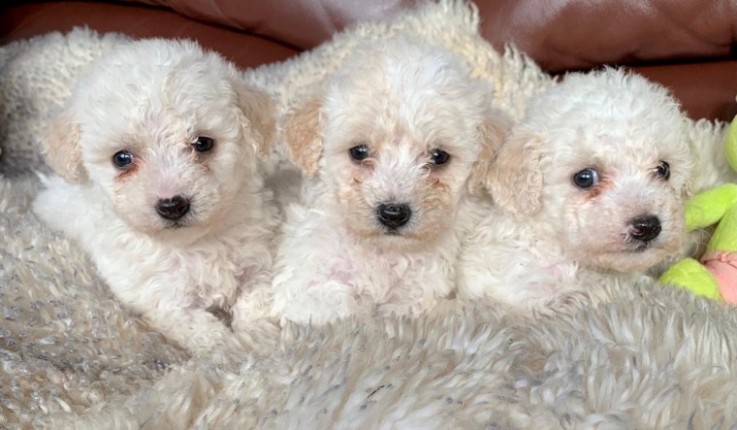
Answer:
(438, 156)
(203, 144)
(586, 178)
(123, 159)
(359, 152)
(663, 170)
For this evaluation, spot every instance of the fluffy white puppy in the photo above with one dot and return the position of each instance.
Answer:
(590, 189)
(157, 149)
(392, 146)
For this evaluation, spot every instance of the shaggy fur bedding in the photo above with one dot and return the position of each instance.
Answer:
(72, 357)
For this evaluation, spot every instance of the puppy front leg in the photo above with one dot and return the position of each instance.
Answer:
(195, 329)
(313, 301)
(314, 285)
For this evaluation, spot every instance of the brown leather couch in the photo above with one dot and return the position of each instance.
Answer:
(688, 45)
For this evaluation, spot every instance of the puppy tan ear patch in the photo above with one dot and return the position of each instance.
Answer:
(494, 131)
(302, 136)
(515, 180)
(60, 145)
(259, 123)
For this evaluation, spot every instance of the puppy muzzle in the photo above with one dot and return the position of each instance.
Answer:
(173, 208)
(645, 229)
(393, 215)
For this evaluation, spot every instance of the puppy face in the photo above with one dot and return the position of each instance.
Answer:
(398, 137)
(167, 132)
(602, 159)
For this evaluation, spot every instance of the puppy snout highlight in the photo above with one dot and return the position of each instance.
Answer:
(394, 215)
(172, 208)
(645, 228)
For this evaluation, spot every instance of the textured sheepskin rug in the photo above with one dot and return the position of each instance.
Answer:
(72, 357)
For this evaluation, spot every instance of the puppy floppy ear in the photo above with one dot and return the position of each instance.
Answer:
(494, 130)
(302, 135)
(516, 181)
(60, 145)
(259, 117)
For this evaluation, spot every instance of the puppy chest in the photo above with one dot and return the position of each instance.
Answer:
(396, 279)
(189, 277)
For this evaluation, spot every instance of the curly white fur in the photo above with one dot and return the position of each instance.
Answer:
(401, 100)
(154, 99)
(652, 358)
(549, 237)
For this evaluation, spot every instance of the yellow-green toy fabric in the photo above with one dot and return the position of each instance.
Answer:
(691, 275)
(716, 206)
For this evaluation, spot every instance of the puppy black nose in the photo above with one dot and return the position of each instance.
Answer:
(173, 208)
(645, 228)
(394, 215)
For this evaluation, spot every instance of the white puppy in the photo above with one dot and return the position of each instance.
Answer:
(393, 144)
(590, 188)
(158, 148)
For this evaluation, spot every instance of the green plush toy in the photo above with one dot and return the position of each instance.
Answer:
(715, 276)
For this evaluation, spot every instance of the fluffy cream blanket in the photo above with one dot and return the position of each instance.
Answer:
(72, 357)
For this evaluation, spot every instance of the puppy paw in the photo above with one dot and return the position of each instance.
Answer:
(196, 330)
(317, 304)
(566, 303)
